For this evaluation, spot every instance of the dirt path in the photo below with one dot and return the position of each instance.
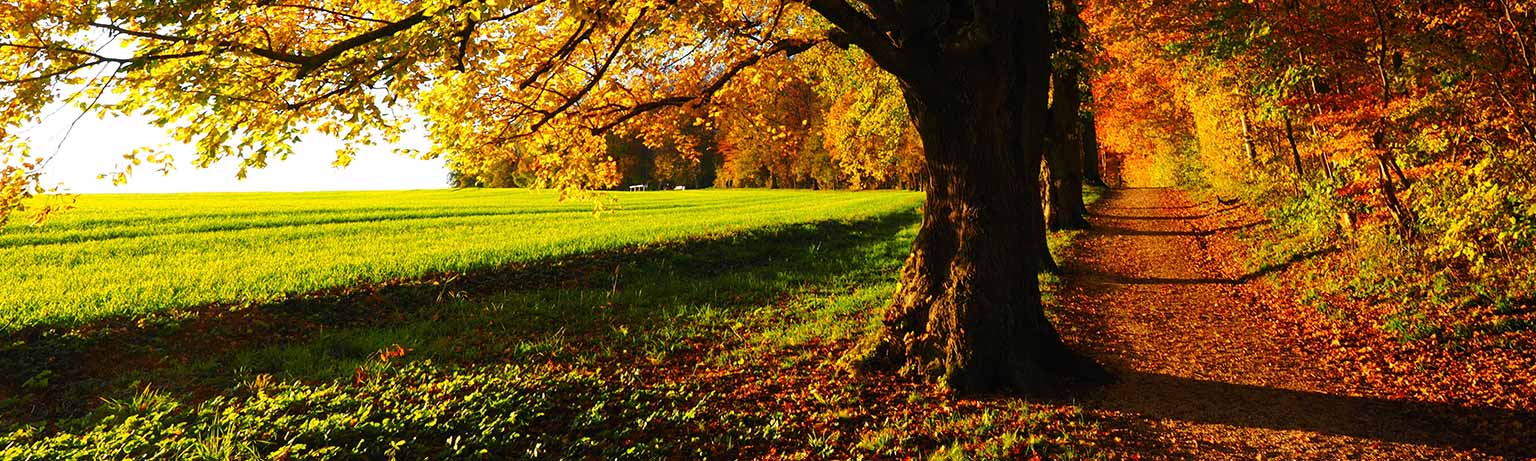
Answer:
(1208, 373)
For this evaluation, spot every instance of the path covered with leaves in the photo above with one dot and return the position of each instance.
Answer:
(1212, 367)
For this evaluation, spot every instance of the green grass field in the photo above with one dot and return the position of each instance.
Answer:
(683, 325)
(124, 255)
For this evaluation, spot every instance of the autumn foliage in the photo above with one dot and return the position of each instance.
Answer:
(1399, 133)
(827, 118)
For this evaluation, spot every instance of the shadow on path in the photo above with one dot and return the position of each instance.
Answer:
(1110, 230)
(1158, 218)
(1172, 397)
(1129, 280)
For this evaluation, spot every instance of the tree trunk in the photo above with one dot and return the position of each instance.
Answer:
(1248, 148)
(1091, 174)
(1400, 213)
(1064, 140)
(1386, 162)
(1397, 169)
(1065, 155)
(1290, 138)
(1323, 157)
(968, 309)
(1039, 225)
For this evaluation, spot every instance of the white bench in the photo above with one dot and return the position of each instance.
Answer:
(638, 187)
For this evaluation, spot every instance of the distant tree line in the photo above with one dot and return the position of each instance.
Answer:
(824, 119)
(633, 161)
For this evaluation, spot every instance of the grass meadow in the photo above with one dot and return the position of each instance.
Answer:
(123, 255)
(481, 325)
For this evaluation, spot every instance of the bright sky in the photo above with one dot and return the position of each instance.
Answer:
(96, 146)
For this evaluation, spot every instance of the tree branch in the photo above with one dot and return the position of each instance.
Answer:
(95, 59)
(583, 31)
(139, 33)
(310, 63)
(464, 36)
(596, 76)
(391, 63)
(789, 47)
(859, 29)
(333, 12)
(307, 64)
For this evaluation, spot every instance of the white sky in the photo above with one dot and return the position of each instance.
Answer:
(96, 146)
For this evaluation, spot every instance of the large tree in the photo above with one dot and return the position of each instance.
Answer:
(542, 82)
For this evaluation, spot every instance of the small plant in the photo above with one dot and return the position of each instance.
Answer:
(880, 442)
(147, 400)
(1409, 325)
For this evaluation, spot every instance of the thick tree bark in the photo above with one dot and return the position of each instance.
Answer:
(1091, 174)
(1039, 225)
(1065, 209)
(968, 309)
(1064, 155)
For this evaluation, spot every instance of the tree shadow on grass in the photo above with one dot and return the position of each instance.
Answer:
(627, 299)
(1490, 430)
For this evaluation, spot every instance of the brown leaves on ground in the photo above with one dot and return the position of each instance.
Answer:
(1484, 369)
(1217, 365)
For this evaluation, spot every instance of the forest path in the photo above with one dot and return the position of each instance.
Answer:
(1155, 292)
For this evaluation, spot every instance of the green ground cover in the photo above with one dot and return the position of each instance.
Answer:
(124, 255)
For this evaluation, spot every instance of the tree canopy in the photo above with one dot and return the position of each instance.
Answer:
(245, 80)
(826, 118)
